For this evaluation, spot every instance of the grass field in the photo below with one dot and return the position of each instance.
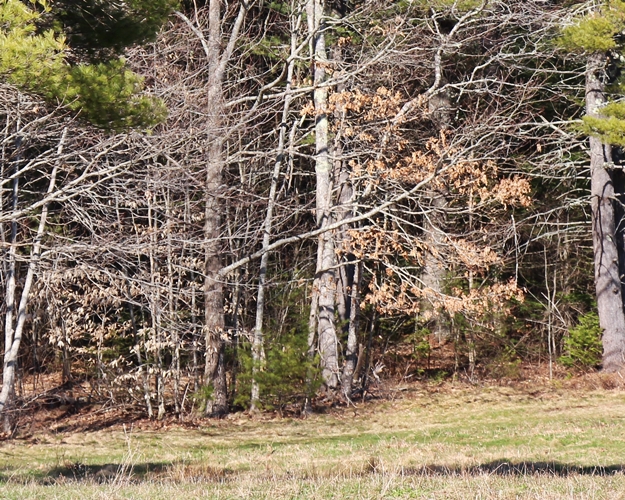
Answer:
(429, 442)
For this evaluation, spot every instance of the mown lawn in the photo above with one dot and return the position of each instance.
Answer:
(430, 442)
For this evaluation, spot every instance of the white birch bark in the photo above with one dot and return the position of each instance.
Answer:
(608, 284)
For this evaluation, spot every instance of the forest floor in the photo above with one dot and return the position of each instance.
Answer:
(540, 439)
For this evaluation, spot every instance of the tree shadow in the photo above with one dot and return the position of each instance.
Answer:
(524, 468)
(78, 471)
(176, 471)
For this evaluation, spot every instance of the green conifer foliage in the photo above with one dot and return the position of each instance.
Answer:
(106, 92)
(602, 31)
(100, 29)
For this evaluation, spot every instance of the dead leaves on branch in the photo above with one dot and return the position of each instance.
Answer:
(377, 119)
(397, 156)
(393, 298)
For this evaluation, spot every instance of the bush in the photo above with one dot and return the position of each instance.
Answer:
(584, 344)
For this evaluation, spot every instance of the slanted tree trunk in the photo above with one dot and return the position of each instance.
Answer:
(606, 252)
(258, 350)
(352, 352)
(14, 323)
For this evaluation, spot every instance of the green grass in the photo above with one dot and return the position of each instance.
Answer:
(461, 442)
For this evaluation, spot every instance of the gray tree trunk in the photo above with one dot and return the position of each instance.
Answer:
(606, 252)
(217, 59)
(434, 267)
(258, 351)
(14, 323)
(325, 278)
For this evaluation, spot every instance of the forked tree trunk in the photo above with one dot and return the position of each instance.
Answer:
(218, 55)
(606, 252)
(218, 58)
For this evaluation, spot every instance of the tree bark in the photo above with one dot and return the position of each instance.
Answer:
(325, 279)
(606, 252)
(214, 322)
(217, 59)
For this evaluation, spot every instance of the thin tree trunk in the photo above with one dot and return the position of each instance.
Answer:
(156, 314)
(171, 306)
(258, 350)
(142, 369)
(606, 253)
(9, 322)
(13, 333)
(351, 349)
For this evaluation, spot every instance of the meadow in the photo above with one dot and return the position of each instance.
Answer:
(431, 441)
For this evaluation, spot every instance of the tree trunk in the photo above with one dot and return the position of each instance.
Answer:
(606, 252)
(15, 323)
(434, 267)
(325, 279)
(352, 352)
(258, 350)
(214, 324)
(217, 59)
(214, 321)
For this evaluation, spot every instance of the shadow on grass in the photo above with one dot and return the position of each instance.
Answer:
(510, 468)
(128, 473)
(181, 472)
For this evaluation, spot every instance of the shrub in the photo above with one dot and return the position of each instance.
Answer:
(584, 343)
(289, 375)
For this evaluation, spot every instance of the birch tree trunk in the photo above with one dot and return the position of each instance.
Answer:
(608, 284)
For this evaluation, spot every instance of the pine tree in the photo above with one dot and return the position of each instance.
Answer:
(98, 85)
(598, 35)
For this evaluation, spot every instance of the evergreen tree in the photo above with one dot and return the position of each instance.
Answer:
(598, 35)
(36, 49)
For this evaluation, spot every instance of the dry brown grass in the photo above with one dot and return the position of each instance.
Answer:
(555, 440)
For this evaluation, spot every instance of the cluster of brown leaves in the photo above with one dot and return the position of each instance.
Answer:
(357, 110)
(513, 192)
(382, 105)
(474, 258)
(391, 297)
(374, 243)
